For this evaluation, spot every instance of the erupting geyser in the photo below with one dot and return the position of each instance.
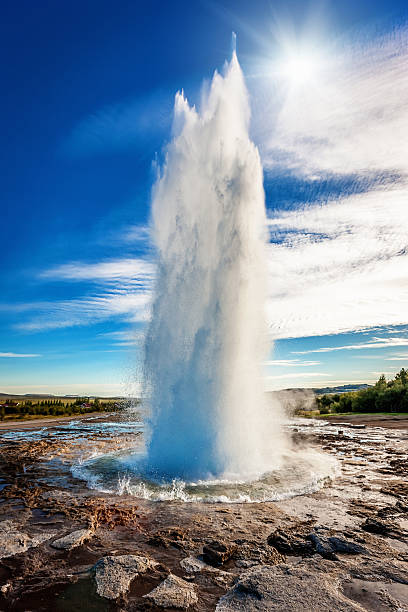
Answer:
(209, 415)
(212, 435)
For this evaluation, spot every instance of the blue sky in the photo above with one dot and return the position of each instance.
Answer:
(88, 89)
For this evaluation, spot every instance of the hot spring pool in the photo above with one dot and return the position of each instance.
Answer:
(124, 473)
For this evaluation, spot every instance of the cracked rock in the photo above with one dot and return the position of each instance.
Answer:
(343, 546)
(218, 552)
(173, 592)
(194, 565)
(13, 541)
(72, 540)
(377, 526)
(290, 544)
(113, 575)
(282, 587)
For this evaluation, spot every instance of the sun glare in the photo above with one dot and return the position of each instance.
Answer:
(298, 69)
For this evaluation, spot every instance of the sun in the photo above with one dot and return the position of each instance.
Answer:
(299, 68)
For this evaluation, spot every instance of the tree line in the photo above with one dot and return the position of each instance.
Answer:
(81, 405)
(384, 396)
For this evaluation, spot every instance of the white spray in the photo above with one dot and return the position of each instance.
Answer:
(207, 337)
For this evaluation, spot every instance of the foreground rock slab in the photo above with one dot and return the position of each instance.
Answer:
(283, 587)
(72, 540)
(14, 542)
(174, 592)
(113, 575)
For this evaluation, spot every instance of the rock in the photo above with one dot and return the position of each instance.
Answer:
(246, 563)
(395, 467)
(249, 555)
(13, 541)
(402, 508)
(282, 587)
(113, 575)
(72, 540)
(322, 547)
(385, 528)
(399, 466)
(395, 488)
(218, 552)
(290, 544)
(312, 543)
(194, 565)
(173, 592)
(373, 525)
(328, 547)
(377, 594)
(389, 511)
(173, 536)
(343, 546)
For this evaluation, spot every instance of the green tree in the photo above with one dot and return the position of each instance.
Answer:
(381, 383)
(402, 377)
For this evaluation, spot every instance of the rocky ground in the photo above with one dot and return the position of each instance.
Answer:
(66, 548)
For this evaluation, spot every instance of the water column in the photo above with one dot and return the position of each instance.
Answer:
(209, 415)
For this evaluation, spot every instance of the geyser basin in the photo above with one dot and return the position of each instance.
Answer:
(127, 473)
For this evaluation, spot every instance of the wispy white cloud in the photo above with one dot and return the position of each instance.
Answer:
(123, 290)
(401, 357)
(296, 380)
(136, 269)
(126, 304)
(128, 337)
(19, 355)
(352, 276)
(136, 233)
(291, 363)
(375, 343)
(368, 357)
(387, 373)
(341, 266)
(93, 388)
(298, 375)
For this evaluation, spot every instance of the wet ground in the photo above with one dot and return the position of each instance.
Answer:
(350, 536)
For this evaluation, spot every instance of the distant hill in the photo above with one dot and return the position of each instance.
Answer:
(36, 395)
(304, 398)
(56, 397)
(340, 389)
